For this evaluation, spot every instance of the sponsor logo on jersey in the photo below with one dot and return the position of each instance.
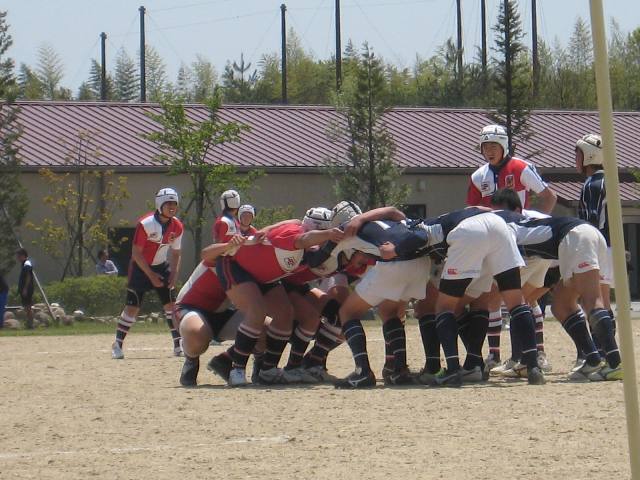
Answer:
(510, 181)
(584, 265)
(485, 187)
(452, 271)
(290, 262)
(154, 236)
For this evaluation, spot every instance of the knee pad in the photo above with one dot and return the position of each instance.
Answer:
(509, 280)
(454, 288)
(134, 298)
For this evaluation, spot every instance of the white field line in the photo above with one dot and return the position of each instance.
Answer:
(137, 449)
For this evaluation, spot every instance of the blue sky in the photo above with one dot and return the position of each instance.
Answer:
(222, 29)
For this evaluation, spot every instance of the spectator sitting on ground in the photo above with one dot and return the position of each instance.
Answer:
(104, 265)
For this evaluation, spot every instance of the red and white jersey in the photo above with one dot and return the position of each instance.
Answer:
(251, 230)
(155, 239)
(226, 226)
(516, 174)
(275, 257)
(203, 290)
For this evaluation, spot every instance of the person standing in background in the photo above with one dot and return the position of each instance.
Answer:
(25, 284)
(104, 265)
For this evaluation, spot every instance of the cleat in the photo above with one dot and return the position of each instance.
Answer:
(517, 371)
(425, 377)
(506, 365)
(490, 362)
(271, 376)
(321, 374)
(578, 363)
(582, 373)
(607, 373)
(189, 375)
(444, 378)
(401, 377)
(299, 375)
(535, 376)
(221, 366)
(543, 362)
(475, 375)
(357, 379)
(177, 352)
(116, 352)
(237, 378)
(257, 366)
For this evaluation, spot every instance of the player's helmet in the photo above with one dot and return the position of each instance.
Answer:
(318, 218)
(495, 134)
(229, 199)
(246, 209)
(591, 146)
(343, 212)
(165, 195)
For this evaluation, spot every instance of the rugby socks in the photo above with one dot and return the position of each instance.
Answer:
(175, 335)
(576, 326)
(125, 322)
(327, 338)
(516, 345)
(299, 342)
(276, 342)
(395, 340)
(539, 318)
(354, 334)
(430, 342)
(476, 332)
(447, 329)
(523, 327)
(602, 329)
(493, 334)
(613, 321)
(464, 322)
(246, 339)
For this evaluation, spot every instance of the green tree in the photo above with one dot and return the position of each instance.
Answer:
(125, 79)
(511, 75)
(187, 142)
(183, 87)
(29, 86)
(92, 87)
(156, 73)
(239, 82)
(369, 176)
(13, 198)
(84, 202)
(50, 71)
(204, 78)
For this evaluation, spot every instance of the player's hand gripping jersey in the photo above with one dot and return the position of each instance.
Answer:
(155, 238)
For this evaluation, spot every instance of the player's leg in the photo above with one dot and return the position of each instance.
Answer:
(196, 335)
(425, 312)
(395, 370)
(306, 326)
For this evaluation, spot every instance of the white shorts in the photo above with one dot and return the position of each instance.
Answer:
(397, 281)
(582, 249)
(534, 271)
(479, 246)
(335, 280)
(606, 269)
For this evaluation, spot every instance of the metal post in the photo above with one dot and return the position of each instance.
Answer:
(534, 47)
(143, 74)
(103, 67)
(338, 48)
(459, 45)
(507, 69)
(283, 13)
(603, 89)
(483, 15)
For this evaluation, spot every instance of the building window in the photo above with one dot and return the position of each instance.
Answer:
(415, 210)
(120, 240)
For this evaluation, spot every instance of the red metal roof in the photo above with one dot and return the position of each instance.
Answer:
(570, 191)
(296, 136)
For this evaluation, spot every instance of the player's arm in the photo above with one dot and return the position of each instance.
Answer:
(210, 253)
(533, 181)
(382, 213)
(174, 266)
(138, 257)
(260, 234)
(318, 237)
(547, 199)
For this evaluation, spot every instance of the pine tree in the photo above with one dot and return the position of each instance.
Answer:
(50, 71)
(204, 78)
(125, 78)
(511, 75)
(369, 176)
(156, 72)
(183, 88)
(29, 85)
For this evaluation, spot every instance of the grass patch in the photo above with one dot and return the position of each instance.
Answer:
(84, 328)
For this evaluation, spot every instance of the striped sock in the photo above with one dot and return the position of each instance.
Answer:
(276, 342)
(539, 318)
(448, 333)
(327, 338)
(175, 335)
(576, 326)
(246, 339)
(430, 342)
(395, 344)
(523, 328)
(125, 322)
(602, 328)
(357, 340)
(493, 334)
(299, 342)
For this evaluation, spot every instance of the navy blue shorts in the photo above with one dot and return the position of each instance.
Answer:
(215, 320)
(296, 287)
(230, 274)
(139, 284)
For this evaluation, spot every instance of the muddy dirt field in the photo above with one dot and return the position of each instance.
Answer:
(68, 411)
